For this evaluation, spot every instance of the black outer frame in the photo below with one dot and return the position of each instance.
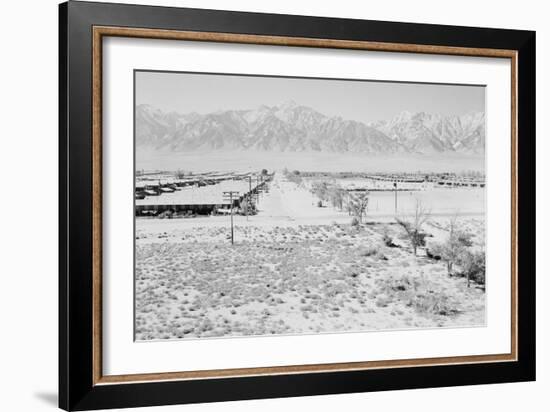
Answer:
(76, 389)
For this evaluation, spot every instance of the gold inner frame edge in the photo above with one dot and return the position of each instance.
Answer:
(101, 31)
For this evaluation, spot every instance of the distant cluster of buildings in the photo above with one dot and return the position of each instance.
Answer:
(194, 194)
(401, 181)
(422, 181)
(155, 184)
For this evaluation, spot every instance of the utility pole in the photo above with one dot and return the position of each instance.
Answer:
(231, 212)
(395, 191)
(229, 196)
(248, 195)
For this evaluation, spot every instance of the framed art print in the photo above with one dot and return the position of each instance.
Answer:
(258, 205)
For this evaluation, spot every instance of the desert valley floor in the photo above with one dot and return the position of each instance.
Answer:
(297, 268)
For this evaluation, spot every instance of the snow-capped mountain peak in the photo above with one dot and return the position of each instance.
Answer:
(293, 127)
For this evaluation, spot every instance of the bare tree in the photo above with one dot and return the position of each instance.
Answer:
(320, 189)
(357, 204)
(455, 246)
(473, 266)
(413, 226)
(337, 195)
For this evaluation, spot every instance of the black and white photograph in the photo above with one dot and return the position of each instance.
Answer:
(215, 206)
(283, 205)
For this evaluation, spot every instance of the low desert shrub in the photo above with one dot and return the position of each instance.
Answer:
(403, 284)
(382, 301)
(435, 303)
(387, 239)
(369, 251)
(425, 297)
(375, 251)
(433, 253)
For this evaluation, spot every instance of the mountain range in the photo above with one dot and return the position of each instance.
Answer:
(291, 127)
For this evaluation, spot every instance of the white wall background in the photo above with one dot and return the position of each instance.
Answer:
(28, 206)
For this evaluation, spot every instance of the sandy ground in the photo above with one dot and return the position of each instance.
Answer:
(294, 268)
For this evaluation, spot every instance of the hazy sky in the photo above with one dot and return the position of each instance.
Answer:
(359, 100)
